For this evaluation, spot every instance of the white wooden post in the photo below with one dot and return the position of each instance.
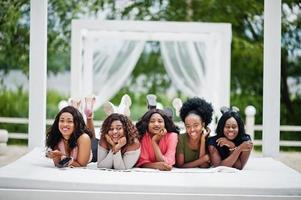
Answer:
(271, 78)
(37, 73)
(250, 112)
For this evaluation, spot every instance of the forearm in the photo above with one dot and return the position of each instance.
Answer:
(243, 158)
(149, 165)
(158, 165)
(90, 125)
(158, 153)
(232, 158)
(75, 163)
(104, 158)
(195, 163)
(202, 147)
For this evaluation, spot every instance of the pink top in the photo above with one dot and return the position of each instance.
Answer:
(73, 152)
(167, 146)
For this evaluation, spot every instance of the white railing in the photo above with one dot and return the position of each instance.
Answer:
(250, 112)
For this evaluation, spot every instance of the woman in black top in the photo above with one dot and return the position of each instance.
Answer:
(231, 146)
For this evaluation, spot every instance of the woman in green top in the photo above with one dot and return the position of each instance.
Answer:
(196, 114)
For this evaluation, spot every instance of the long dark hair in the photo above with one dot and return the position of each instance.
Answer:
(222, 121)
(142, 124)
(129, 128)
(54, 136)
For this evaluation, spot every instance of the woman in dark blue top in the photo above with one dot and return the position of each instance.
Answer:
(231, 146)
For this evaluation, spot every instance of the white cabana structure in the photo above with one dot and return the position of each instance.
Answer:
(37, 97)
(34, 177)
(196, 56)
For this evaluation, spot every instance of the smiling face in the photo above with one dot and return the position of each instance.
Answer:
(116, 131)
(66, 124)
(156, 124)
(231, 128)
(194, 126)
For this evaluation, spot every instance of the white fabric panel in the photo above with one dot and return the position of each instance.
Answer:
(195, 68)
(34, 175)
(114, 61)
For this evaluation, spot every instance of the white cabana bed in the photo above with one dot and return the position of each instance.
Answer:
(34, 177)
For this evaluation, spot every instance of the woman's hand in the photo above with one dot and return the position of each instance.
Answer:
(157, 137)
(163, 166)
(120, 144)
(205, 133)
(110, 141)
(54, 154)
(246, 146)
(225, 142)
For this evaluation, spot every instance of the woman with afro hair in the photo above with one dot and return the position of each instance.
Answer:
(231, 146)
(196, 114)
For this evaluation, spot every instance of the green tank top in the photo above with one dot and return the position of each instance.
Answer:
(182, 147)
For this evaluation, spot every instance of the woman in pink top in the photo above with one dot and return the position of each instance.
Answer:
(159, 138)
(69, 137)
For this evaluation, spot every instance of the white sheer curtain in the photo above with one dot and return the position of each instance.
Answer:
(191, 66)
(114, 61)
(185, 63)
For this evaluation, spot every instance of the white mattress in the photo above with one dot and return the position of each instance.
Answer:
(34, 177)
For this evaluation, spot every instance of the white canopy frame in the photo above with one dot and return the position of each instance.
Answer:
(84, 31)
(38, 70)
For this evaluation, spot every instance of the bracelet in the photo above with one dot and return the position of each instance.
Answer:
(232, 149)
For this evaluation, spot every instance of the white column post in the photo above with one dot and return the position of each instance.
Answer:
(37, 73)
(250, 112)
(271, 78)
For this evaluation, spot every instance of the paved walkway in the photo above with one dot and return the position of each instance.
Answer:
(13, 152)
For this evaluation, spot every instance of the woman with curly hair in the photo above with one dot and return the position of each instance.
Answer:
(159, 140)
(119, 146)
(231, 146)
(196, 114)
(68, 137)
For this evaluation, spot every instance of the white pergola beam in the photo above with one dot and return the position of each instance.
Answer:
(37, 73)
(152, 26)
(271, 77)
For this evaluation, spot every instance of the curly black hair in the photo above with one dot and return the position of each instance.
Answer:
(142, 124)
(199, 107)
(54, 136)
(130, 130)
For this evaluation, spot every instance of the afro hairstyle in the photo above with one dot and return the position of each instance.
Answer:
(199, 107)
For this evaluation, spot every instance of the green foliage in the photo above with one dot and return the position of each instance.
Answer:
(15, 104)
(14, 35)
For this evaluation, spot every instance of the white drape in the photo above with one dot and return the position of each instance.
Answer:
(192, 68)
(114, 61)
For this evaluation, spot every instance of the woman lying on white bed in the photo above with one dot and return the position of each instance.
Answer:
(69, 140)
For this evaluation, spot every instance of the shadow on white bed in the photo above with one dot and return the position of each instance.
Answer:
(34, 177)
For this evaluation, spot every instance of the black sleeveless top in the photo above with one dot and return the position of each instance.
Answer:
(224, 151)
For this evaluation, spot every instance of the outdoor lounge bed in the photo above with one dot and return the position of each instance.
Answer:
(34, 177)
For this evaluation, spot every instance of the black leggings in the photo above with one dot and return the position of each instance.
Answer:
(94, 147)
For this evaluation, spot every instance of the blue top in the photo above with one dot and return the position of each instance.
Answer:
(224, 151)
